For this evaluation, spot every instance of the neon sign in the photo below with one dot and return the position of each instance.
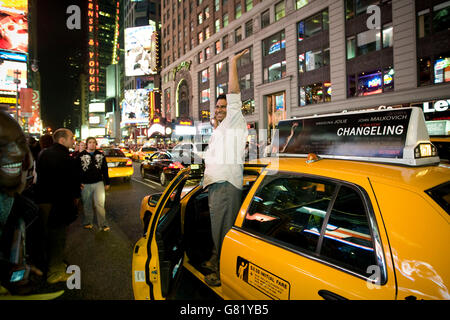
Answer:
(375, 82)
(93, 64)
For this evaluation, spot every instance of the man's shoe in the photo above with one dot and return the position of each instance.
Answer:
(209, 266)
(213, 280)
(88, 226)
(56, 277)
(106, 228)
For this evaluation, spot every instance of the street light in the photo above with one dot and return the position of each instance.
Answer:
(17, 82)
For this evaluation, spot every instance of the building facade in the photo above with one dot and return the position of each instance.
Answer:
(306, 57)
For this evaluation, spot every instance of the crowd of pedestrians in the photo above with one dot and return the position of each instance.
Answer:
(43, 189)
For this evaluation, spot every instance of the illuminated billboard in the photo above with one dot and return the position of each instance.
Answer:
(135, 107)
(7, 75)
(141, 54)
(14, 25)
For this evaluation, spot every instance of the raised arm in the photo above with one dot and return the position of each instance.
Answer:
(233, 80)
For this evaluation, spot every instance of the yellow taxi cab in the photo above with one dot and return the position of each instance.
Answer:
(353, 206)
(119, 166)
(143, 152)
(127, 152)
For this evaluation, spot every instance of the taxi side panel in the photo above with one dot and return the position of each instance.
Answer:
(419, 236)
(281, 273)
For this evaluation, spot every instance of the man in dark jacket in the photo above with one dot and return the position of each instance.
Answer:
(57, 192)
(21, 249)
(95, 180)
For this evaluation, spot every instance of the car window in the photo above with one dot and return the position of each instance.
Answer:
(201, 146)
(441, 194)
(163, 156)
(291, 210)
(113, 153)
(149, 149)
(347, 240)
(187, 146)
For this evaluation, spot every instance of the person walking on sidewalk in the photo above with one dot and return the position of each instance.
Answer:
(224, 166)
(94, 181)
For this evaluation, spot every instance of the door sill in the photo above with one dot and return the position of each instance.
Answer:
(201, 277)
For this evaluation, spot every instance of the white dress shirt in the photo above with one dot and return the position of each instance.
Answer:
(224, 158)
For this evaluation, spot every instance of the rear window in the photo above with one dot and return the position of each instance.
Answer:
(113, 153)
(441, 194)
(149, 149)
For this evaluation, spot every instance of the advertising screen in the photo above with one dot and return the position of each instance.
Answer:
(135, 107)
(14, 25)
(140, 51)
(7, 69)
(365, 135)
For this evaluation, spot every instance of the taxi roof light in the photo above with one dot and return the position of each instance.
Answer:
(394, 136)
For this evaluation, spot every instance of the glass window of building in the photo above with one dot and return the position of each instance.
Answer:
(225, 20)
(217, 25)
(207, 33)
(237, 10)
(248, 5)
(441, 69)
(221, 68)
(200, 18)
(274, 43)
(368, 41)
(199, 2)
(200, 37)
(218, 47)
(301, 63)
(200, 56)
(204, 75)
(351, 47)
(204, 96)
(326, 56)
(237, 35)
(275, 72)
(265, 18)
(248, 28)
(248, 107)
(221, 88)
(368, 83)
(279, 10)
(300, 4)
(208, 53)
(441, 17)
(423, 23)
(246, 58)
(246, 81)
(312, 25)
(216, 5)
(313, 60)
(225, 42)
(206, 12)
(356, 7)
(388, 39)
(315, 93)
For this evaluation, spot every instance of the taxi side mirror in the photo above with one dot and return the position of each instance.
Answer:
(153, 199)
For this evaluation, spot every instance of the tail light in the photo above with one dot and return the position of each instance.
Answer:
(176, 165)
(129, 163)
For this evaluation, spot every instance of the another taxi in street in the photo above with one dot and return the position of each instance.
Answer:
(143, 152)
(354, 206)
(119, 166)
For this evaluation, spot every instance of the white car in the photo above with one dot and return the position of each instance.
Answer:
(189, 147)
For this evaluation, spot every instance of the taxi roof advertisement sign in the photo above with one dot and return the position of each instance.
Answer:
(374, 134)
(14, 25)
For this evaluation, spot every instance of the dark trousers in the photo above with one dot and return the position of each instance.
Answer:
(55, 241)
(224, 201)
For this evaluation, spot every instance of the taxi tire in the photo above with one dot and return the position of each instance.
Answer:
(162, 179)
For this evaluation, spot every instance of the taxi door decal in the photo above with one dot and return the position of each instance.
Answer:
(264, 281)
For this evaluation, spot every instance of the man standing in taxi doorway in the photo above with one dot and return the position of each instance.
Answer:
(95, 181)
(224, 165)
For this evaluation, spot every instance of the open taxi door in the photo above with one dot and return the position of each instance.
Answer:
(158, 255)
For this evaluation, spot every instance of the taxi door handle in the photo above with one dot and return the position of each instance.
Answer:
(328, 295)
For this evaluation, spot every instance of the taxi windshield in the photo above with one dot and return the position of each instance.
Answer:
(113, 153)
(441, 194)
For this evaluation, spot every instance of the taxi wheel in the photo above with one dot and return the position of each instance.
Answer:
(162, 179)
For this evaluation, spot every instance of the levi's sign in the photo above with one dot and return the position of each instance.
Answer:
(373, 134)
